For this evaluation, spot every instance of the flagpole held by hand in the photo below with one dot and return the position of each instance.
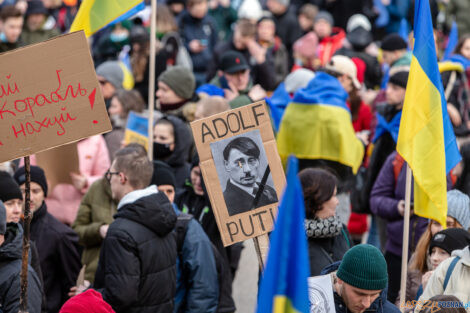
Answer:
(406, 232)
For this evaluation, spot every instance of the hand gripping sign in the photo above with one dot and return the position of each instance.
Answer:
(49, 96)
(242, 170)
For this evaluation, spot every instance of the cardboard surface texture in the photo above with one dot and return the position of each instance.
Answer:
(49, 96)
(242, 170)
(58, 163)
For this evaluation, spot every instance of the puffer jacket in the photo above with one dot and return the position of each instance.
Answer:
(380, 305)
(96, 209)
(137, 267)
(458, 281)
(10, 268)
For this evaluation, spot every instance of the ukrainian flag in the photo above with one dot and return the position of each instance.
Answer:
(94, 15)
(426, 139)
(136, 130)
(317, 125)
(284, 287)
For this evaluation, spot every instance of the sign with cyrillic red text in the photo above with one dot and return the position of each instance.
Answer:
(49, 96)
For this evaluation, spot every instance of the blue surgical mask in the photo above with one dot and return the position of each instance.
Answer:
(3, 38)
(118, 37)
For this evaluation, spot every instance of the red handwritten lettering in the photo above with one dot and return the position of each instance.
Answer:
(8, 90)
(47, 122)
(40, 100)
(2, 110)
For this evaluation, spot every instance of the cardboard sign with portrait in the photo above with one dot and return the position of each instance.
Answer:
(242, 170)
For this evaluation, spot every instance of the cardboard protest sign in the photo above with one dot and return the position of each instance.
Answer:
(242, 170)
(136, 130)
(49, 96)
(320, 294)
(58, 163)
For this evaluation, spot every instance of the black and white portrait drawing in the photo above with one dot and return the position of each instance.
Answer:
(244, 173)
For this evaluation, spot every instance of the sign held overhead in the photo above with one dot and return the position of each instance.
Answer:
(242, 170)
(49, 96)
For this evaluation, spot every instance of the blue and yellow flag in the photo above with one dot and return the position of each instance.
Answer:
(284, 287)
(426, 139)
(94, 15)
(317, 125)
(136, 130)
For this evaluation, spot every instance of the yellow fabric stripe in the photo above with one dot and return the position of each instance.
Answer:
(282, 304)
(319, 132)
(421, 143)
(82, 19)
(132, 136)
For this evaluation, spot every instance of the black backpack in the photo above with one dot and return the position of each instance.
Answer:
(226, 303)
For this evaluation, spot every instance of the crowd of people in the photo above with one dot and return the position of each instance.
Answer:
(143, 231)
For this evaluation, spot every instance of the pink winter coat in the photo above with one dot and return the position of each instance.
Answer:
(93, 157)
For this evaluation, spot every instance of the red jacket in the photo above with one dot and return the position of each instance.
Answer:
(329, 45)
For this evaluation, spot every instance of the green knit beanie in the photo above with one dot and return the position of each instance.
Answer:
(364, 267)
(181, 80)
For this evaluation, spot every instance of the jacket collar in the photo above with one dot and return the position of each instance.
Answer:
(135, 195)
(40, 213)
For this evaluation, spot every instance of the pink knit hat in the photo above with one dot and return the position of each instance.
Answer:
(89, 301)
(306, 46)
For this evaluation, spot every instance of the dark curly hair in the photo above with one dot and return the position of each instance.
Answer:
(318, 186)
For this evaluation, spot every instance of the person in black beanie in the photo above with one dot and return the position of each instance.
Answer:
(164, 179)
(57, 243)
(394, 51)
(12, 198)
(446, 241)
(197, 285)
(11, 247)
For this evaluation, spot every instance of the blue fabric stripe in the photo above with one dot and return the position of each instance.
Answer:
(323, 89)
(139, 7)
(138, 124)
(425, 53)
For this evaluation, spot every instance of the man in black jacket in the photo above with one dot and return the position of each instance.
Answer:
(57, 244)
(137, 266)
(11, 243)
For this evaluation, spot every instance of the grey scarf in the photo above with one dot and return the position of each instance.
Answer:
(323, 228)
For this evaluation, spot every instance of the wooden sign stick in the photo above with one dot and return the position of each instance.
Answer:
(26, 235)
(261, 247)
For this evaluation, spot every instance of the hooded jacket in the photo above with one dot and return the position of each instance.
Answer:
(458, 282)
(10, 268)
(137, 266)
(178, 158)
(57, 246)
(380, 305)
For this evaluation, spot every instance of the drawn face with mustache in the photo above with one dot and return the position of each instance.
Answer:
(242, 168)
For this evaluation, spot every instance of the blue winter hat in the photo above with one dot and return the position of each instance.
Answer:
(458, 207)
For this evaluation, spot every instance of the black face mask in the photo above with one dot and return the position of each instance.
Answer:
(161, 150)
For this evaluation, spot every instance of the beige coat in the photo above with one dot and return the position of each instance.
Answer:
(459, 282)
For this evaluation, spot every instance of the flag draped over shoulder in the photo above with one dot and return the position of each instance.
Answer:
(93, 15)
(284, 287)
(426, 139)
(317, 125)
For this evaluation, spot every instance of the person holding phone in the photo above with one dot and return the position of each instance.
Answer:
(199, 33)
